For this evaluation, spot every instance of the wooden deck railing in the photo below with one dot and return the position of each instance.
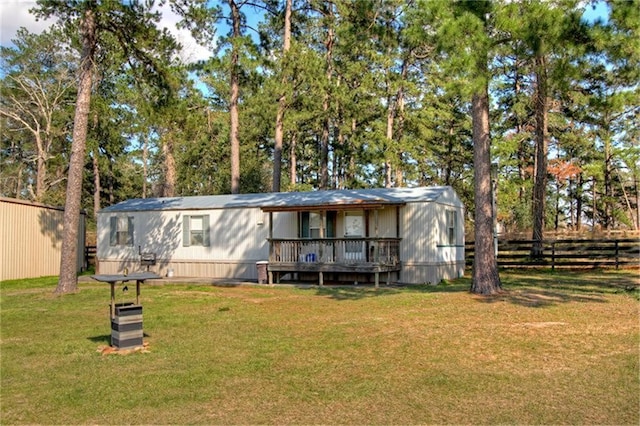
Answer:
(384, 251)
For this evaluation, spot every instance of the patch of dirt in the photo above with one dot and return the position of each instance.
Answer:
(110, 350)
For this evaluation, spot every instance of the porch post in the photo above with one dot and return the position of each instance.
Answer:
(375, 221)
(376, 247)
(271, 248)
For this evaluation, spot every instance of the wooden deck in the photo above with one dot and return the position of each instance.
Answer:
(334, 255)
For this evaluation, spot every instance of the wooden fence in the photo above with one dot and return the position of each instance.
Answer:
(90, 256)
(573, 253)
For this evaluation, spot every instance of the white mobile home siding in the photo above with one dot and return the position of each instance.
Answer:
(238, 239)
(31, 239)
(426, 254)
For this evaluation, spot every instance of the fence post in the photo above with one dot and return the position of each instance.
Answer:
(617, 255)
(553, 256)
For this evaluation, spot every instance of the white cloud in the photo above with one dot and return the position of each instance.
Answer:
(191, 50)
(15, 14)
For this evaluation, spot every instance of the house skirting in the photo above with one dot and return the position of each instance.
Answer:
(411, 273)
(245, 270)
(429, 273)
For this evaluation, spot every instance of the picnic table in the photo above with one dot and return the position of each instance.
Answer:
(113, 279)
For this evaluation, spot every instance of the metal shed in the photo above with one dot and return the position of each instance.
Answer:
(407, 235)
(31, 239)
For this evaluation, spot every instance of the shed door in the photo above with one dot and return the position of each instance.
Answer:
(354, 228)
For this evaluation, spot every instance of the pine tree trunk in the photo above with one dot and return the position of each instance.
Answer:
(400, 126)
(282, 104)
(485, 279)
(540, 185)
(389, 136)
(169, 187)
(294, 160)
(145, 173)
(96, 185)
(233, 104)
(41, 171)
(324, 139)
(68, 280)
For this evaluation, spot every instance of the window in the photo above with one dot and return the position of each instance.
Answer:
(452, 225)
(195, 230)
(311, 223)
(315, 224)
(121, 231)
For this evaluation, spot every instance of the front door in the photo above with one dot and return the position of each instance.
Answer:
(354, 228)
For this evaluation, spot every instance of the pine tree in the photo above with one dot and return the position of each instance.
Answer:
(134, 29)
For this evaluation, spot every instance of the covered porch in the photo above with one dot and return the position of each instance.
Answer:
(337, 240)
(334, 255)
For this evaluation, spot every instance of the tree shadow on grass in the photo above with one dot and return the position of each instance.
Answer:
(538, 298)
(526, 288)
(545, 288)
(353, 292)
(105, 338)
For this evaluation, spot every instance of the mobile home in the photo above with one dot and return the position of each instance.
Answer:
(400, 235)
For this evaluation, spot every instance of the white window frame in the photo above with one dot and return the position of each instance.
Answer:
(452, 227)
(316, 228)
(196, 231)
(121, 231)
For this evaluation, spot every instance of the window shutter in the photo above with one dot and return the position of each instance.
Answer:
(304, 222)
(331, 224)
(206, 240)
(186, 234)
(113, 231)
(455, 227)
(130, 231)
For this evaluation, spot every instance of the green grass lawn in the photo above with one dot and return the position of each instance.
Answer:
(555, 348)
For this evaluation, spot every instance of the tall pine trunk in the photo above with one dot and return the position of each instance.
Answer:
(282, 103)
(400, 126)
(145, 167)
(293, 173)
(388, 149)
(41, 171)
(97, 188)
(485, 278)
(68, 280)
(540, 184)
(324, 139)
(170, 174)
(233, 104)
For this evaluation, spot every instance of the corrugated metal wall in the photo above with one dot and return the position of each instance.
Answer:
(31, 238)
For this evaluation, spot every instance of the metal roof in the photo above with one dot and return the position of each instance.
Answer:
(278, 201)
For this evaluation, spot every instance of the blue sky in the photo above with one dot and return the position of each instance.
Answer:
(15, 14)
(601, 10)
